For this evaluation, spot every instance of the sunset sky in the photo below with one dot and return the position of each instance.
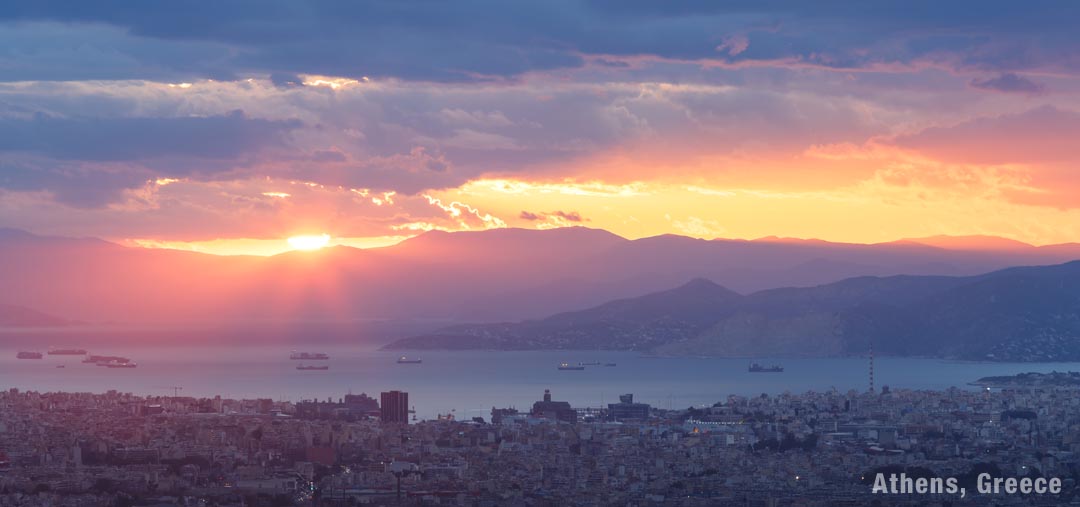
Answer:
(230, 126)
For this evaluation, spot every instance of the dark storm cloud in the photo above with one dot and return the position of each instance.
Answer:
(76, 185)
(90, 162)
(126, 139)
(1009, 83)
(483, 39)
(404, 136)
(406, 173)
(53, 51)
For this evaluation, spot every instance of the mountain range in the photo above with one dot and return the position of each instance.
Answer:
(1016, 314)
(446, 278)
(20, 317)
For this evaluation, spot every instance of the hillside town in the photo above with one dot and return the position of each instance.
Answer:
(810, 449)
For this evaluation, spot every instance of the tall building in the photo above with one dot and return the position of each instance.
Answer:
(361, 404)
(498, 414)
(394, 407)
(558, 410)
(626, 409)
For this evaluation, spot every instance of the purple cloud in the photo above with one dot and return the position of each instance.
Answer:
(141, 138)
(481, 40)
(569, 216)
(1009, 83)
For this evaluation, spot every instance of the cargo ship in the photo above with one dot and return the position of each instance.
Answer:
(308, 356)
(406, 360)
(757, 368)
(567, 366)
(312, 367)
(28, 355)
(114, 364)
(609, 364)
(67, 352)
(103, 360)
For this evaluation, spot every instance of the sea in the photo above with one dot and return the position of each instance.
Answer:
(469, 383)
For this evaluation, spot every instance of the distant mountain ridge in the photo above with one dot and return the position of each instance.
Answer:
(972, 243)
(474, 276)
(1015, 314)
(14, 316)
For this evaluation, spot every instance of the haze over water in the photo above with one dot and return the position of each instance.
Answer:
(469, 383)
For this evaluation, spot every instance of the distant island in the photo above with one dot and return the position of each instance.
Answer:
(1024, 314)
(1032, 379)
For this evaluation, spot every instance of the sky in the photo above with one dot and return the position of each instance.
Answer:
(229, 126)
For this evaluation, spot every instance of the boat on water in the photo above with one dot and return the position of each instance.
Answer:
(406, 360)
(590, 363)
(28, 355)
(308, 356)
(113, 364)
(609, 364)
(105, 360)
(67, 352)
(60, 366)
(568, 366)
(312, 367)
(758, 368)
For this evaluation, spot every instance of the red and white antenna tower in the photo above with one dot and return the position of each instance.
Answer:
(871, 366)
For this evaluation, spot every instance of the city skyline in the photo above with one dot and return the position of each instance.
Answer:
(814, 448)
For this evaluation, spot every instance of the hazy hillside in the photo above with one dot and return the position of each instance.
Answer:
(18, 316)
(637, 324)
(1020, 314)
(484, 276)
(1027, 313)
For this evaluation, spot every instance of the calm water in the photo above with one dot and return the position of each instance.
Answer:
(470, 383)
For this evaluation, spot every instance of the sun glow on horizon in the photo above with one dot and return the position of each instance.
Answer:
(253, 246)
(309, 243)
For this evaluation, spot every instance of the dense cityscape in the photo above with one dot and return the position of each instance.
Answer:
(810, 449)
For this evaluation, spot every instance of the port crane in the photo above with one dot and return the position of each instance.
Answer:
(175, 389)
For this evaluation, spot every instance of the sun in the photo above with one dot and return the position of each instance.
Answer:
(309, 242)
